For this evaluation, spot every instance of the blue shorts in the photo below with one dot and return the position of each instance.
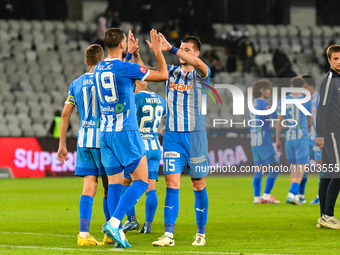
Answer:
(121, 151)
(265, 155)
(297, 151)
(88, 162)
(153, 157)
(314, 151)
(182, 148)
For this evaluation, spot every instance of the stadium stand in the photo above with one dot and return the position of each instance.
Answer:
(40, 59)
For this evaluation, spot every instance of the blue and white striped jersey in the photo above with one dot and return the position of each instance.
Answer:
(83, 94)
(260, 132)
(315, 105)
(114, 80)
(150, 109)
(184, 100)
(294, 113)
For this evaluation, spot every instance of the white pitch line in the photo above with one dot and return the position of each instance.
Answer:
(113, 249)
(123, 250)
(37, 234)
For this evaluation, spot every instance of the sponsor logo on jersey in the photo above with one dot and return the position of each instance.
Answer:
(197, 160)
(180, 86)
(85, 123)
(143, 69)
(171, 154)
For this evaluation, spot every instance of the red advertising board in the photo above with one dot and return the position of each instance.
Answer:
(32, 157)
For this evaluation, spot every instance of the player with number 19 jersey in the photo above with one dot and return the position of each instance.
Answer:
(261, 136)
(114, 80)
(82, 94)
(297, 135)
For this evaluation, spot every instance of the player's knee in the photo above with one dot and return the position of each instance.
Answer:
(198, 185)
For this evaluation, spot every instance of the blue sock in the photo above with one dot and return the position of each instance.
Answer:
(257, 183)
(113, 197)
(131, 215)
(85, 212)
(106, 209)
(294, 188)
(201, 209)
(270, 181)
(303, 184)
(171, 209)
(130, 198)
(151, 203)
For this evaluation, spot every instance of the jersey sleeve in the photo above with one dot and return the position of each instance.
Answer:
(70, 97)
(137, 72)
(208, 75)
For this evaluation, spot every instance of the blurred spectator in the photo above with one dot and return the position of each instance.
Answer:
(113, 19)
(207, 31)
(247, 52)
(171, 32)
(54, 130)
(214, 62)
(101, 21)
(283, 68)
(146, 16)
(188, 19)
(232, 51)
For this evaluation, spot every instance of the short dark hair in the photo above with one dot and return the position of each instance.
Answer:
(259, 86)
(331, 49)
(297, 82)
(94, 54)
(309, 80)
(192, 39)
(113, 37)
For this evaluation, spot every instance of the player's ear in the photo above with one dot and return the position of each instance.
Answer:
(197, 53)
(87, 62)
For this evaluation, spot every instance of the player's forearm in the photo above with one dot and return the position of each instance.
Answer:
(63, 130)
(162, 68)
(137, 59)
(278, 131)
(194, 61)
(320, 120)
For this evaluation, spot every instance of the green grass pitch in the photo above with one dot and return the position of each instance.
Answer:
(40, 216)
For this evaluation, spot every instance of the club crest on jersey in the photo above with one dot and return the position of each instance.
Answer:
(143, 69)
(180, 86)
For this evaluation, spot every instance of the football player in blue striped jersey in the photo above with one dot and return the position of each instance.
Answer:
(88, 164)
(297, 139)
(185, 139)
(122, 147)
(261, 142)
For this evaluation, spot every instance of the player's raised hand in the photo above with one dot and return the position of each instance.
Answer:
(155, 43)
(62, 154)
(132, 43)
(166, 46)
